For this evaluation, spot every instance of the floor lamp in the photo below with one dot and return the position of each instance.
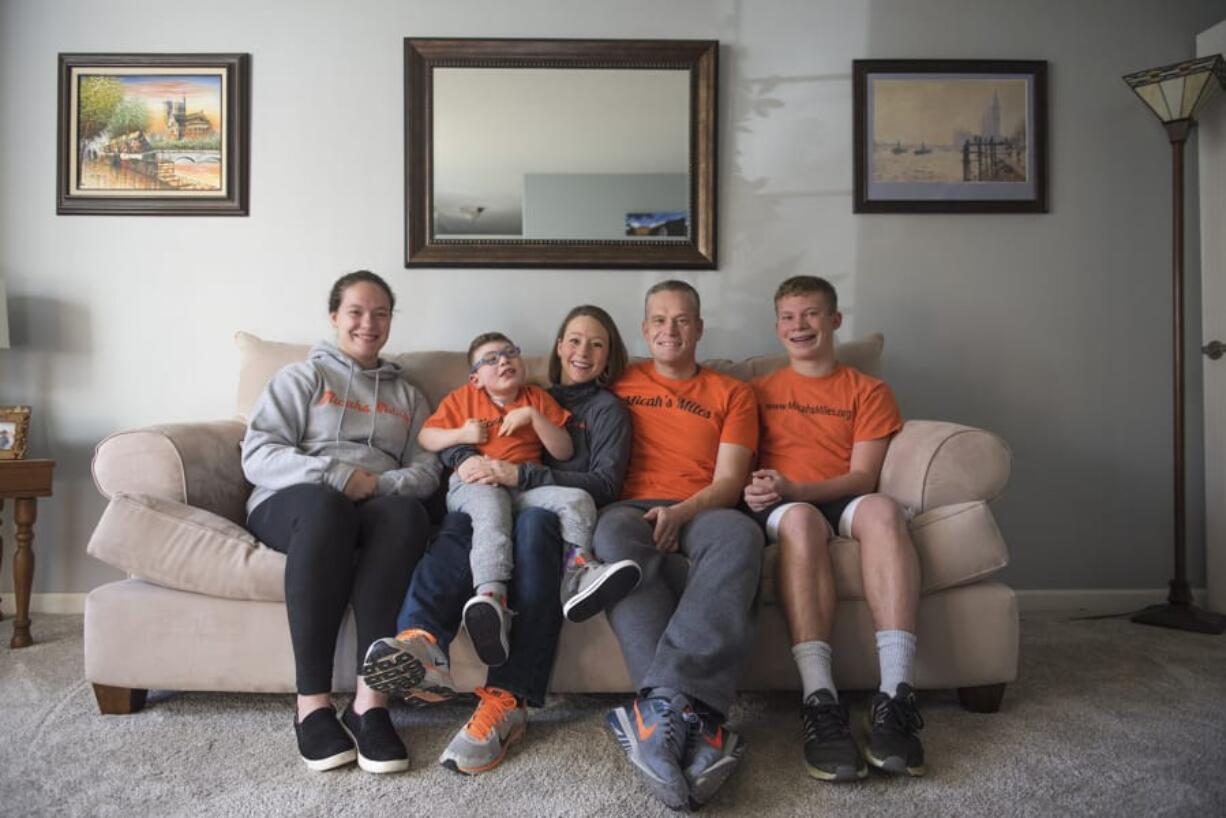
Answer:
(1177, 93)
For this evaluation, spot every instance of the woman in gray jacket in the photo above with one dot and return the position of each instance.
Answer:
(331, 449)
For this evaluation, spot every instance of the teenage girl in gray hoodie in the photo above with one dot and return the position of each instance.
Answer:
(331, 449)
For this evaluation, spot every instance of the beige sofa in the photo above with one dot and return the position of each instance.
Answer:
(203, 607)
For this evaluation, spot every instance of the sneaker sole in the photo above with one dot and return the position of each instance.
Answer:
(513, 737)
(612, 588)
(484, 627)
(396, 672)
(370, 765)
(894, 765)
(331, 762)
(703, 788)
(619, 724)
(841, 773)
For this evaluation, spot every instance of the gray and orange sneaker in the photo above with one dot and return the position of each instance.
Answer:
(652, 732)
(488, 622)
(410, 666)
(712, 753)
(498, 722)
(589, 587)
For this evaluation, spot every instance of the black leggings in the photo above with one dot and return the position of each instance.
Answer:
(339, 552)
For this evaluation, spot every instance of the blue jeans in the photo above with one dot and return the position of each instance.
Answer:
(443, 582)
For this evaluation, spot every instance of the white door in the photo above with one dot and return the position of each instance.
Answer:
(1211, 142)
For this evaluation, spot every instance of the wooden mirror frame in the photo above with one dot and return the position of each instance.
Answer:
(424, 249)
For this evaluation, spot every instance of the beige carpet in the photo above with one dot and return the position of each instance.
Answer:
(1109, 718)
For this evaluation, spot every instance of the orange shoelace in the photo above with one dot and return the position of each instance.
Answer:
(493, 708)
(409, 633)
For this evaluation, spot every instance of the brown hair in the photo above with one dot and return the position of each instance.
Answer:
(348, 280)
(674, 286)
(483, 339)
(618, 358)
(807, 285)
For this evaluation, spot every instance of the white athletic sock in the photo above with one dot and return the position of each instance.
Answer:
(813, 662)
(496, 589)
(896, 654)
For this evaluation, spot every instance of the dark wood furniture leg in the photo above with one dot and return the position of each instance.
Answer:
(981, 699)
(1, 544)
(119, 701)
(26, 512)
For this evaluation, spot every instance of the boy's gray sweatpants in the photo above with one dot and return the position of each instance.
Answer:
(491, 510)
(694, 641)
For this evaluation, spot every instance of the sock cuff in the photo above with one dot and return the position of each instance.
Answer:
(816, 649)
(890, 639)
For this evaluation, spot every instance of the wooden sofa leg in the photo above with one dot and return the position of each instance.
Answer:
(981, 699)
(119, 701)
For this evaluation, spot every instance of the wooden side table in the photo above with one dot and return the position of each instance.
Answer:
(24, 481)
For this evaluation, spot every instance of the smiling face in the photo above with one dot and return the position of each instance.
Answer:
(502, 378)
(672, 328)
(583, 350)
(362, 322)
(805, 325)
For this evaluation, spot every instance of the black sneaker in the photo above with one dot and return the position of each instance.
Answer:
(831, 753)
(712, 753)
(892, 743)
(380, 750)
(322, 741)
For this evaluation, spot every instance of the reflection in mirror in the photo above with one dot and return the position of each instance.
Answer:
(561, 153)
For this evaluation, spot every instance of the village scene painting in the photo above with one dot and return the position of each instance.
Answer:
(149, 130)
(949, 130)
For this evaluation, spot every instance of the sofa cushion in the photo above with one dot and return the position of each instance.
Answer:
(957, 544)
(186, 548)
(437, 372)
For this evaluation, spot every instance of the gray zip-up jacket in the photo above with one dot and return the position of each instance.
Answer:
(320, 419)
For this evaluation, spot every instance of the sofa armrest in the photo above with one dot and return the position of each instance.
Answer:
(197, 464)
(932, 463)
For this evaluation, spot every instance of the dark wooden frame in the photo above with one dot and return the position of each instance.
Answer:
(422, 56)
(863, 69)
(237, 124)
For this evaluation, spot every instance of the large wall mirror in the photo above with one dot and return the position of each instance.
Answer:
(560, 153)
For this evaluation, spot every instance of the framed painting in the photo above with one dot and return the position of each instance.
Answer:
(14, 427)
(154, 134)
(950, 136)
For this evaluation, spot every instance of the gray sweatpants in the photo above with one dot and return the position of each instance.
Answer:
(491, 510)
(695, 639)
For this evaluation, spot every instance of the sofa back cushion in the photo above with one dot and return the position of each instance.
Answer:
(436, 373)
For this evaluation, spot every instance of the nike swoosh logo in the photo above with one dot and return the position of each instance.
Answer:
(716, 741)
(644, 731)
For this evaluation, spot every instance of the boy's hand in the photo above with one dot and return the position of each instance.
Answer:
(474, 431)
(771, 481)
(515, 419)
(758, 497)
(361, 484)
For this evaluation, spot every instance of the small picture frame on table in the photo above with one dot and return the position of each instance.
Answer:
(950, 136)
(14, 428)
(154, 134)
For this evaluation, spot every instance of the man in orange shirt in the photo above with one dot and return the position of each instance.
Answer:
(825, 429)
(684, 631)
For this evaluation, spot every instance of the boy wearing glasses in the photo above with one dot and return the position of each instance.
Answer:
(506, 418)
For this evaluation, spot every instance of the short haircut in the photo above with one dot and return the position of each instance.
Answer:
(348, 280)
(618, 358)
(674, 286)
(807, 285)
(483, 339)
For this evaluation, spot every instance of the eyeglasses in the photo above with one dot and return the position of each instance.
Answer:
(490, 358)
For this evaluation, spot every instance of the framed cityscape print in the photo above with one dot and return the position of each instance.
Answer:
(950, 136)
(154, 134)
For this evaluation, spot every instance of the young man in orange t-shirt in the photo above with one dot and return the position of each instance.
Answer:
(506, 418)
(825, 429)
(694, 435)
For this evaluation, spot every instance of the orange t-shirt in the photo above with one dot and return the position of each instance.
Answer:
(678, 428)
(521, 446)
(809, 425)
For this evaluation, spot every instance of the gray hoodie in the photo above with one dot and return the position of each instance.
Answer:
(320, 419)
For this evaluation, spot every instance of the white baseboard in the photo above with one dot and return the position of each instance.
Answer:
(1095, 601)
(44, 603)
(1073, 600)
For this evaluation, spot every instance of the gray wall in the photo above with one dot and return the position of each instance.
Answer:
(594, 205)
(1050, 329)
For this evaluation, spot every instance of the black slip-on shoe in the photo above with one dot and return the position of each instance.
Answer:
(322, 742)
(380, 750)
